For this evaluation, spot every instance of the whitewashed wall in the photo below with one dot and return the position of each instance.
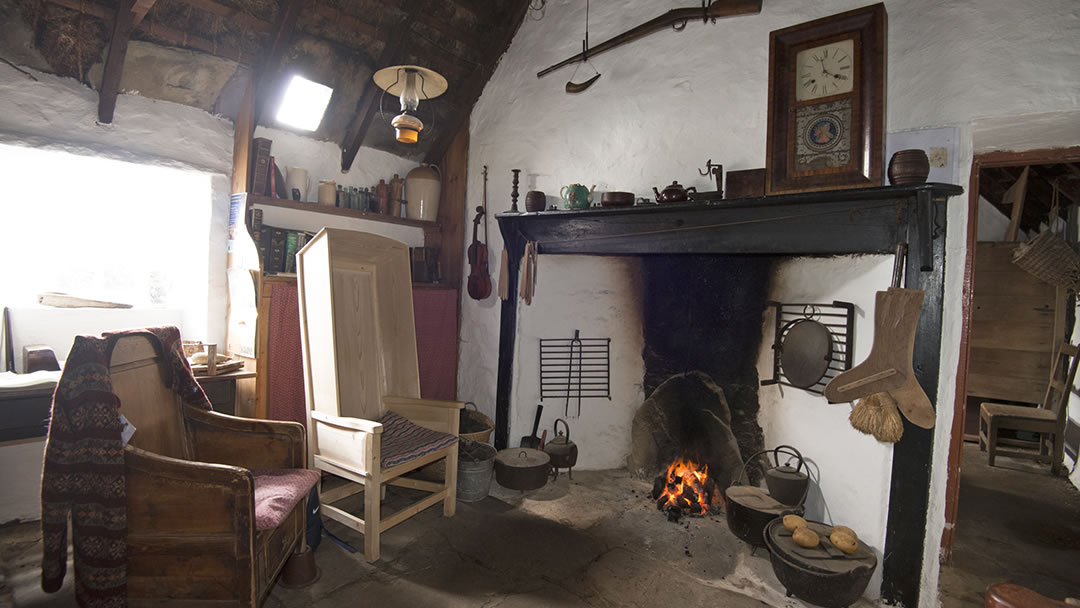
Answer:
(61, 114)
(853, 470)
(322, 159)
(602, 298)
(670, 101)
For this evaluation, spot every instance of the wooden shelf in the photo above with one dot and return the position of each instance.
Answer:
(265, 201)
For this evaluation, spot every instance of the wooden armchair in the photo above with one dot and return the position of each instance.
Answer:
(367, 423)
(193, 536)
(1048, 420)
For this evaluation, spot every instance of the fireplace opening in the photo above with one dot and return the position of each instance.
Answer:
(702, 321)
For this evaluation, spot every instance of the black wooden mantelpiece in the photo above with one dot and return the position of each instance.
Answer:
(866, 220)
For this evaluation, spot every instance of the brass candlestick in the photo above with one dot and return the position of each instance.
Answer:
(514, 192)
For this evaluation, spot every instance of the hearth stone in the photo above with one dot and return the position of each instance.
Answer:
(687, 415)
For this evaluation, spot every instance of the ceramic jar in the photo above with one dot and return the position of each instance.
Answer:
(422, 189)
(327, 192)
(908, 167)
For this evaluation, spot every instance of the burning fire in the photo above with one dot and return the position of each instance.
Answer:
(687, 489)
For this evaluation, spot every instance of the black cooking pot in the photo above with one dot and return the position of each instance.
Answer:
(831, 579)
(522, 468)
(749, 509)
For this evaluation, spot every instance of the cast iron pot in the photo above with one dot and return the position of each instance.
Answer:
(522, 468)
(819, 586)
(746, 522)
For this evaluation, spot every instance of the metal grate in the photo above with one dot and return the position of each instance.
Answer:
(575, 368)
(838, 318)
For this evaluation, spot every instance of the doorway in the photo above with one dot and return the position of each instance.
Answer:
(1012, 325)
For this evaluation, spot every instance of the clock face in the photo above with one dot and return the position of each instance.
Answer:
(825, 70)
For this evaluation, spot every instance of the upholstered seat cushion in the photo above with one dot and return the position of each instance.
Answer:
(276, 493)
(403, 441)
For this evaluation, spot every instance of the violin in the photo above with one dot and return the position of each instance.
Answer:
(479, 275)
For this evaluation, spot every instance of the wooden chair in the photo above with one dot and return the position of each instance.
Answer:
(1048, 420)
(1005, 595)
(193, 537)
(367, 422)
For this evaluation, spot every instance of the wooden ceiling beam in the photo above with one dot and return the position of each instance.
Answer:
(140, 9)
(123, 21)
(163, 33)
(348, 21)
(474, 86)
(446, 29)
(231, 14)
(266, 71)
(481, 9)
(365, 110)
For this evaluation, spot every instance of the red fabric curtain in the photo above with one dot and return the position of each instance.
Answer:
(435, 311)
(285, 365)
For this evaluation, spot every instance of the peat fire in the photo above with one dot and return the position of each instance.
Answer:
(685, 489)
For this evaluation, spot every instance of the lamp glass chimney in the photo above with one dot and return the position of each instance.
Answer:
(410, 95)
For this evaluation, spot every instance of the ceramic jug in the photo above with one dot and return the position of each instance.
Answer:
(422, 186)
(297, 179)
(327, 192)
(576, 196)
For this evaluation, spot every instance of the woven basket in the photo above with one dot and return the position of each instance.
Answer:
(1049, 258)
(477, 416)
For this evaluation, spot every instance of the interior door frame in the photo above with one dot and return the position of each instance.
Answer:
(1043, 156)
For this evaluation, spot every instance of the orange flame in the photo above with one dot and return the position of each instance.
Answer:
(683, 475)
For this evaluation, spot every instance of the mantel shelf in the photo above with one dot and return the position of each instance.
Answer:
(865, 220)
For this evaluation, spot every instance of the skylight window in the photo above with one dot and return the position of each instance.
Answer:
(304, 104)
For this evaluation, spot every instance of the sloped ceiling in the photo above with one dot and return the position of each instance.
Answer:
(203, 52)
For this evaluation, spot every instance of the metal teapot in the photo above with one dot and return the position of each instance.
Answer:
(674, 193)
(787, 484)
(562, 451)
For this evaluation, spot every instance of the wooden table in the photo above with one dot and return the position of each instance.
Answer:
(221, 389)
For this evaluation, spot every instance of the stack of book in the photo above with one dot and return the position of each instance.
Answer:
(277, 246)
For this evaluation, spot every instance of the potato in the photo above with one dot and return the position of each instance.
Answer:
(805, 537)
(793, 522)
(845, 530)
(844, 541)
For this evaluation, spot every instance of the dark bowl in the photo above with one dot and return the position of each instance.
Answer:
(616, 199)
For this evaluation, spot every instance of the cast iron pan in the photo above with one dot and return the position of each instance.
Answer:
(805, 352)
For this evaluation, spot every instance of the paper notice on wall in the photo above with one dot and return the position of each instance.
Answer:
(243, 312)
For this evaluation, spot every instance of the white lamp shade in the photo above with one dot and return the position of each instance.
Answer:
(429, 83)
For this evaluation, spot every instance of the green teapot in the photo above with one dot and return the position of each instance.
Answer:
(576, 196)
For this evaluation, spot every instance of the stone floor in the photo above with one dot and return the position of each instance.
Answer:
(1016, 524)
(597, 541)
(594, 541)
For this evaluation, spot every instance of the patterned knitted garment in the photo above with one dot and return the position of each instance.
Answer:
(83, 472)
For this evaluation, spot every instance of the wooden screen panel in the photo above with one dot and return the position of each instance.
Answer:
(1017, 322)
(154, 410)
(357, 342)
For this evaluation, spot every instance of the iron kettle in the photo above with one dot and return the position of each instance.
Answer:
(562, 451)
(787, 484)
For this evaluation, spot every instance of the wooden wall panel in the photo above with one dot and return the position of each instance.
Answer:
(454, 209)
(1015, 328)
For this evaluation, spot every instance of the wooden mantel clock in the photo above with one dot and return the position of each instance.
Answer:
(827, 103)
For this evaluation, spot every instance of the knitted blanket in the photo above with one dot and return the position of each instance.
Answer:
(83, 472)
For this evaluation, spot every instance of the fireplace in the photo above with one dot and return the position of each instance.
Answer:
(861, 221)
(702, 319)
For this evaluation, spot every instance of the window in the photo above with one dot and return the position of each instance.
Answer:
(304, 104)
(104, 229)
